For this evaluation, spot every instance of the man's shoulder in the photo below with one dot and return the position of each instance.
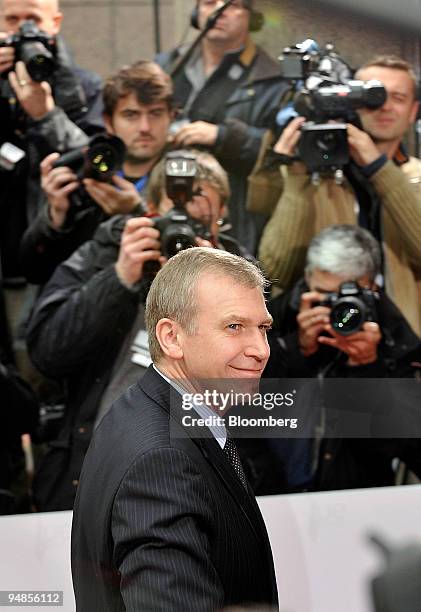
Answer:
(265, 67)
(90, 81)
(141, 415)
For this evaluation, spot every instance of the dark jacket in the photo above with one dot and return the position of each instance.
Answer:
(175, 529)
(243, 114)
(77, 115)
(19, 414)
(348, 461)
(78, 326)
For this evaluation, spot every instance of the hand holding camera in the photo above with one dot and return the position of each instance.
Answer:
(139, 244)
(347, 316)
(361, 146)
(312, 321)
(35, 98)
(119, 197)
(57, 183)
(7, 54)
(360, 347)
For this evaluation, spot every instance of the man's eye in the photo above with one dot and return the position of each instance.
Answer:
(234, 326)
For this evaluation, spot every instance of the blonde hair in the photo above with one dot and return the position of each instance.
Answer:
(208, 169)
(173, 291)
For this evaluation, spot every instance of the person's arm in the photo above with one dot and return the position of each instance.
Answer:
(289, 230)
(44, 247)
(80, 310)
(163, 548)
(92, 298)
(398, 188)
(287, 234)
(400, 193)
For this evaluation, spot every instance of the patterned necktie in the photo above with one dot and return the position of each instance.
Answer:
(231, 452)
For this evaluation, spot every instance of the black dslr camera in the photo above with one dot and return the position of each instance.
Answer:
(177, 228)
(351, 307)
(35, 48)
(100, 160)
(324, 91)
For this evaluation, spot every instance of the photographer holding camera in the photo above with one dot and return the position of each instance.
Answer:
(88, 326)
(380, 191)
(229, 92)
(55, 109)
(336, 325)
(138, 109)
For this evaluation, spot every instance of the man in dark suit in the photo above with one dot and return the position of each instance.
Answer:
(164, 518)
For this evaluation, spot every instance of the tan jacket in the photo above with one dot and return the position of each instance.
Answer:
(304, 209)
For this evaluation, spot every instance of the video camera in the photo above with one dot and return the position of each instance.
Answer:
(325, 91)
(35, 48)
(100, 160)
(351, 307)
(177, 228)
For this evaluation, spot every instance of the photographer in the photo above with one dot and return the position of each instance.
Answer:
(314, 337)
(381, 192)
(56, 114)
(229, 92)
(88, 325)
(138, 108)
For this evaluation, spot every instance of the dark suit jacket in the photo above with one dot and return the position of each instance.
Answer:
(161, 520)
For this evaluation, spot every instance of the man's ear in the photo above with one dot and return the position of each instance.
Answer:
(108, 123)
(57, 19)
(167, 334)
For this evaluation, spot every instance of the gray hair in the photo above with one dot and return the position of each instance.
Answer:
(173, 291)
(346, 250)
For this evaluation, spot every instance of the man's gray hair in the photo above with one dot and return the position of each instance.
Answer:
(346, 250)
(173, 291)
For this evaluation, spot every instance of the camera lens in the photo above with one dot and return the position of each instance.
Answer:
(104, 157)
(39, 62)
(176, 238)
(347, 317)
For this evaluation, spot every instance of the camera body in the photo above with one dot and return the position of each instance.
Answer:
(100, 160)
(325, 91)
(35, 48)
(177, 228)
(351, 307)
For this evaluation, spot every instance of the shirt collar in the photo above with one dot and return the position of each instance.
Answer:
(218, 431)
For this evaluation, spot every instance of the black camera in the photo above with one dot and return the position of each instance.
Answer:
(177, 228)
(351, 307)
(325, 91)
(35, 48)
(100, 160)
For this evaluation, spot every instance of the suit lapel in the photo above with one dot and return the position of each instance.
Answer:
(169, 399)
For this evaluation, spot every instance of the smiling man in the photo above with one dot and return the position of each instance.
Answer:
(381, 192)
(177, 527)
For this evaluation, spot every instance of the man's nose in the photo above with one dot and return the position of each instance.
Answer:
(144, 123)
(258, 347)
(387, 103)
